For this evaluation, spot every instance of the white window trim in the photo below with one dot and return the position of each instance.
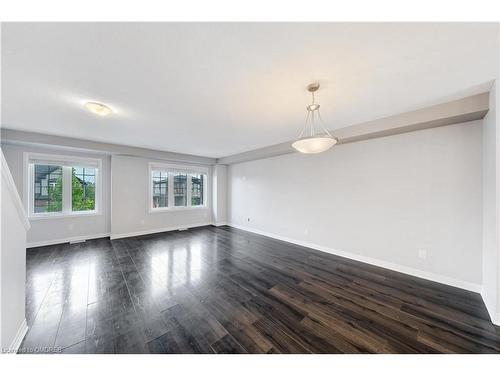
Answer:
(28, 182)
(171, 169)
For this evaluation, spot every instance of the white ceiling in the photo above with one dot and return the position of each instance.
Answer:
(216, 89)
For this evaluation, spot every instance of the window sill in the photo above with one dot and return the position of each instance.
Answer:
(63, 215)
(174, 209)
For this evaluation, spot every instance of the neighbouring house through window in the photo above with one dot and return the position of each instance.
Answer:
(172, 187)
(60, 185)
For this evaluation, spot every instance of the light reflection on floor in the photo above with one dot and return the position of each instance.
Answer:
(40, 282)
(175, 267)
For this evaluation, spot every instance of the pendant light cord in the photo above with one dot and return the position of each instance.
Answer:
(304, 127)
(323, 124)
(310, 118)
(312, 124)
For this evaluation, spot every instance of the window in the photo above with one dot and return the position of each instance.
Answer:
(180, 189)
(48, 188)
(59, 186)
(160, 189)
(83, 189)
(174, 188)
(197, 189)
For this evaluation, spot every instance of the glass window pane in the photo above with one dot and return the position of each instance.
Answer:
(180, 189)
(197, 185)
(160, 189)
(47, 188)
(78, 170)
(83, 189)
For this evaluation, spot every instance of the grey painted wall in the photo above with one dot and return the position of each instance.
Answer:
(12, 267)
(130, 201)
(129, 178)
(382, 199)
(491, 258)
(219, 194)
(60, 229)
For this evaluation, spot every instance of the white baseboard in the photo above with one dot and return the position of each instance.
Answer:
(373, 261)
(222, 223)
(491, 308)
(495, 319)
(18, 339)
(66, 240)
(157, 230)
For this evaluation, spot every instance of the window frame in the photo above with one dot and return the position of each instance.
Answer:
(66, 164)
(171, 169)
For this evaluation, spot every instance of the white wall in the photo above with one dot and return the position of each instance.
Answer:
(491, 256)
(379, 200)
(56, 230)
(219, 194)
(130, 184)
(130, 202)
(12, 265)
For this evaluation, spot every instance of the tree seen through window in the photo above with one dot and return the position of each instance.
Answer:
(83, 189)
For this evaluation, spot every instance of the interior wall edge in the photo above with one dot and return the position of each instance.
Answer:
(158, 230)
(494, 316)
(64, 227)
(221, 224)
(66, 240)
(21, 332)
(24, 138)
(472, 287)
(460, 111)
(11, 187)
(491, 206)
(119, 235)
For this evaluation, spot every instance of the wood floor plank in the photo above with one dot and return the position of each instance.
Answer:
(228, 345)
(249, 337)
(224, 290)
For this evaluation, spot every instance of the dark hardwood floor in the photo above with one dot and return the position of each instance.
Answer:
(223, 290)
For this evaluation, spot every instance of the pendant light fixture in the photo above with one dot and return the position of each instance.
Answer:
(310, 142)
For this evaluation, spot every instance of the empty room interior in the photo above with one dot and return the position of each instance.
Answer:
(259, 188)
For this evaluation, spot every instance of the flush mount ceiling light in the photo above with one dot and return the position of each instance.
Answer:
(310, 142)
(98, 108)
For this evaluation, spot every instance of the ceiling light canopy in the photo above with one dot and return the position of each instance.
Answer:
(98, 108)
(310, 142)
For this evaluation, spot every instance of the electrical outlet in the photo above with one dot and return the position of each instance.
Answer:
(248, 219)
(422, 253)
(142, 222)
(71, 226)
(306, 232)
